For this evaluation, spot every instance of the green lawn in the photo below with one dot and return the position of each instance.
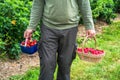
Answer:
(107, 69)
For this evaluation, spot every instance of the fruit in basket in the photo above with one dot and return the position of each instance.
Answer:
(90, 51)
(29, 43)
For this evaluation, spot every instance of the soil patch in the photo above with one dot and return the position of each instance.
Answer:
(14, 67)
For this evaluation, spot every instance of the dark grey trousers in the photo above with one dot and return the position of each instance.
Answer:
(56, 46)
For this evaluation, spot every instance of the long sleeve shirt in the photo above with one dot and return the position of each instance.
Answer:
(61, 14)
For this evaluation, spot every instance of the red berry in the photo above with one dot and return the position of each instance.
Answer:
(79, 50)
(23, 43)
(86, 50)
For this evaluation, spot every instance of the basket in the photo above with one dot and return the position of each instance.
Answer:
(28, 49)
(89, 56)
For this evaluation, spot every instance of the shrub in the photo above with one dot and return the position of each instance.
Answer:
(117, 5)
(103, 10)
(2, 48)
(14, 17)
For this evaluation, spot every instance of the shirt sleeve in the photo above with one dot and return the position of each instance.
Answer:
(36, 13)
(85, 10)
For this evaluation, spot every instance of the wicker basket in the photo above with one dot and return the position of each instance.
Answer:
(89, 57)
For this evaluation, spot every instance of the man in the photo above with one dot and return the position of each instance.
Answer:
(60, 20)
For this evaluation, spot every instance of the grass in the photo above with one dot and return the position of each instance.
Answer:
(107, 69)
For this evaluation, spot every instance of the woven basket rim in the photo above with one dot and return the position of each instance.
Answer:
(90, 59)
(91, 55)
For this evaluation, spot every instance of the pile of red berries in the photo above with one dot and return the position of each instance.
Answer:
(29, 43)
(90, 51)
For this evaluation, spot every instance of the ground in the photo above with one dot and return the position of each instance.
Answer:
(14, 67)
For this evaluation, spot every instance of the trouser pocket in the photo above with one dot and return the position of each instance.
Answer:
(74, 52)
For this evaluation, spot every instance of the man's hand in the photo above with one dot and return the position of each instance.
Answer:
(90, 33)
(28, 33)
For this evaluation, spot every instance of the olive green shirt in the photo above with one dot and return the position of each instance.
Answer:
(61, 14)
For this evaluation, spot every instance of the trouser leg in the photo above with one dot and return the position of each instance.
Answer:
(66, 53)
(47, 51)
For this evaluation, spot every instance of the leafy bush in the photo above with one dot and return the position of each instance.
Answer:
(2, 48)
(117, 5)
(103, 9)
(14, 17)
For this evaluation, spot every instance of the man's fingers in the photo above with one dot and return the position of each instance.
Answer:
(28, 34)
(90, 33)
(25, 34)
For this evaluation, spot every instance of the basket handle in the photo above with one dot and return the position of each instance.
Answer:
(85, 40)
(26, 40)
